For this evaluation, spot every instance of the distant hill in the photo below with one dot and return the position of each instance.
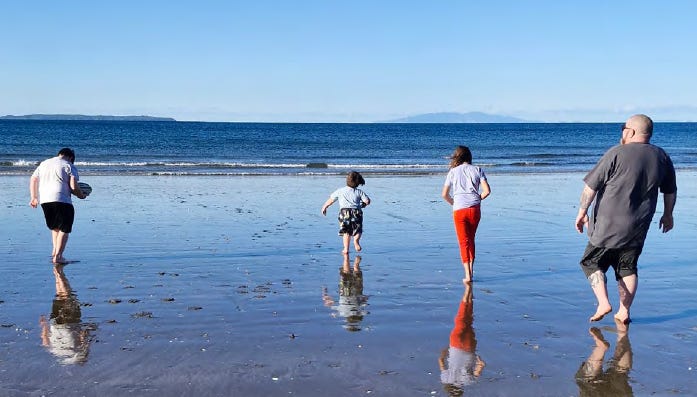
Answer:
(451, 117)
(72, 117)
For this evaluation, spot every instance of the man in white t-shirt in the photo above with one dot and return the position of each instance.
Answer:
(51, 185)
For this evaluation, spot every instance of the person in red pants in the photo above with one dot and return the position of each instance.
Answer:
(462, 191)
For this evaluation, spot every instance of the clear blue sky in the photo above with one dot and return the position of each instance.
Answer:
(350, 61)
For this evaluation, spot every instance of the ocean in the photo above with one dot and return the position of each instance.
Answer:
(202, 148)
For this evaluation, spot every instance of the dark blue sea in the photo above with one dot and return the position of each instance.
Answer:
(199, 148)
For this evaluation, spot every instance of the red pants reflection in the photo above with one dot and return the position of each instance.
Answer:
(462, 335)
(466, 222)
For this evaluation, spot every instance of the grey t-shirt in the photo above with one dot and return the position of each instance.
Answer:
(627, 180)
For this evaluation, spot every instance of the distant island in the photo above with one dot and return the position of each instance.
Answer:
(451, 117)
(73, 117)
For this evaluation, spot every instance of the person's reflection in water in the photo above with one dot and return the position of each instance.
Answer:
(352, 303)
(614, 381)
(459, 363)
(63, 334)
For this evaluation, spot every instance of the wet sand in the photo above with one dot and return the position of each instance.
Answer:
(232, 287)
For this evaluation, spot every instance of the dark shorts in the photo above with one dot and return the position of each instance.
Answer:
(350, 221)
(59, 216)
(623, 260)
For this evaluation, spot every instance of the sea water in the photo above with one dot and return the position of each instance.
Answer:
(201, 148)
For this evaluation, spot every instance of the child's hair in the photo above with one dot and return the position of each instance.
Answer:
(461, 155)
(353, 179)
(68, 153)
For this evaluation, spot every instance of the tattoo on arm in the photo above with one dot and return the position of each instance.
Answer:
(587, 197)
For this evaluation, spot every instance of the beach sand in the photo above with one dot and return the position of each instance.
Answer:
(231, 287)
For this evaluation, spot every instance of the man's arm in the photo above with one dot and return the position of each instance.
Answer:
(75, 188)
(666, 223)
(34, 191)
(587, 197)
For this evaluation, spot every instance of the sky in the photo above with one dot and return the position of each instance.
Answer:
(350, 61)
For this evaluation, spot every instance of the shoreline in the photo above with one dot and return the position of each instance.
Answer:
(187, 287)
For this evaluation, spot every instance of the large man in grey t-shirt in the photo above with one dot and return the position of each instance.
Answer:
(625, 185)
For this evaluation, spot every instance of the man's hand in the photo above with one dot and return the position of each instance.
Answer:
(587, 197)
(34, 202)
(581, 220)
(666, 223)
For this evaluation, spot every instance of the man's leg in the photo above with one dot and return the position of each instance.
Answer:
(61, 242)
(598, 283)
(54, 241)
(627, 287)
(592, 368)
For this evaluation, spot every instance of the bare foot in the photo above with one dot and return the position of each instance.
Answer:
(59, 260)
(623, 319)
(358, 246)
(467, 280)
(600, 313)
(345, 252)
(598, 337)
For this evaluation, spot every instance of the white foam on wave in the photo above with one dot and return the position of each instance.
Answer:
(23, 163)
(385, 166)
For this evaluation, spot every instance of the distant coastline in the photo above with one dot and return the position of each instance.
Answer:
(75, 117)
(452, 117)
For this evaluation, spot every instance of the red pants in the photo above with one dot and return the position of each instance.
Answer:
(466, 222)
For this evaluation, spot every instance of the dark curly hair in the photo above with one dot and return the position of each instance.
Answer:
(353, 179)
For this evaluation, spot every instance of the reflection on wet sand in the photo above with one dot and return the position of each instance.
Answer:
(63, 334)
(459, 363)
(352, 303)
(613, 381)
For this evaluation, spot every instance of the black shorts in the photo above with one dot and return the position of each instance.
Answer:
(350, 221)
(59, 216)
(623, 260)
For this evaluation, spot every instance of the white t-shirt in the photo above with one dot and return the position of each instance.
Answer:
(464, 183)
(54, 180)
(65, 343)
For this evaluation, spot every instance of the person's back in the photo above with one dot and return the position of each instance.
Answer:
(627, 180)
(51, 185)
(624, 185)
(465, 180)
(54, 174)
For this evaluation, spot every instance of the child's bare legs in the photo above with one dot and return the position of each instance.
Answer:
(357, 264)
(345, 267)
(357, 242)
(347, 239)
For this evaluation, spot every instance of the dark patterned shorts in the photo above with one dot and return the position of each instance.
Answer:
(350, 221)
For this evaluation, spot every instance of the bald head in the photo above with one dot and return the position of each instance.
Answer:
(641, 124)
(637, 129)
